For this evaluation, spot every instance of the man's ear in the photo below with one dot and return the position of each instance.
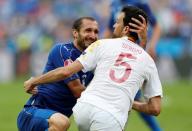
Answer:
(126, 30)
(75, 33)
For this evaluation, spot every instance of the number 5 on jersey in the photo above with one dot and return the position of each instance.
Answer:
(119, 62)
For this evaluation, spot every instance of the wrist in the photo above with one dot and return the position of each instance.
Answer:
(143, 43)
(33, 82)
(135, 105)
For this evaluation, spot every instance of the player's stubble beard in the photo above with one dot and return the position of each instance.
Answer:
(84, 42)
(117, 33)
(116, 36)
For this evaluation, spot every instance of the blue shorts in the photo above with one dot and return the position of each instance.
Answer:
(34, 119)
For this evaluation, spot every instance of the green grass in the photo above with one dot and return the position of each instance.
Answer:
(176, 110)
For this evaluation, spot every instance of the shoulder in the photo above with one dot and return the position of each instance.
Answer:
(57, 46)
(104, 42)
(108, 40)
(61, 48)
(149, 62)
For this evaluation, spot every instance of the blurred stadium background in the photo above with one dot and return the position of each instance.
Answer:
(29, 28)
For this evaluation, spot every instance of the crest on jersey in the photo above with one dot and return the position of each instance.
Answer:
(67, 62)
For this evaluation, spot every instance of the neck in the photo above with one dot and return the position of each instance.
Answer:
(131, 39)
(77, 46)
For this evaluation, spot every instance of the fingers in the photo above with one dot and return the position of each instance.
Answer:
(136, 21)
(139, 27)
(134, 25)
(33, 91)
(143, 19)
(138, 24)
(29, 87)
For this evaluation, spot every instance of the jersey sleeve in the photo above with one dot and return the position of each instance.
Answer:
(89, 57)
(60, 56)
(152, 86)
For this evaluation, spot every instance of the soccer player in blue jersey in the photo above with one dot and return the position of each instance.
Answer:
(154, 27)
(153, 33)
(51, 104)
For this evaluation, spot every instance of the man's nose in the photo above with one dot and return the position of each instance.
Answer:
(93, 35)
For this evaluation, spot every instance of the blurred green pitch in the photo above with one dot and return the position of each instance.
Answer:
(175, 116)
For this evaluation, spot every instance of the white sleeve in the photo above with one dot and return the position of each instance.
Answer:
(153, 85)
(89, 57)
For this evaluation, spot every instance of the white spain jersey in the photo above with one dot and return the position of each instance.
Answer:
(120, 68)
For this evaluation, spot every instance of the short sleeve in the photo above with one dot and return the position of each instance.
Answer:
(89, 57)
(60, 56)
(152, 86)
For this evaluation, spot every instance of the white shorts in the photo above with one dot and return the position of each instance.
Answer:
(90, 118)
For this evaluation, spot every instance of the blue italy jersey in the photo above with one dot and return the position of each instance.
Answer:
(57, 96)
(116, 6)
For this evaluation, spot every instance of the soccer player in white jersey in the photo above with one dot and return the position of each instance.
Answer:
(120, 67)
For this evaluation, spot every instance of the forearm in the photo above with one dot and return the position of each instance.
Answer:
(152, 107)
(52, 76)
(155, 37)
(143, 43)
(55, 75)
(140, 106)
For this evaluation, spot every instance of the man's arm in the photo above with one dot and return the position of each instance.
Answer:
(154, 40)
(152, 107)
(141, 30)
(76, 87)
(53, 76)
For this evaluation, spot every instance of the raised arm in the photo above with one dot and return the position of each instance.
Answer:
(141, 30)
(154, 40)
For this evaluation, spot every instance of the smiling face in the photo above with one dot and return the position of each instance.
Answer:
(87, 33)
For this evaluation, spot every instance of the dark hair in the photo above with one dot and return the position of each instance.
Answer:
(133, 12)
(77, 24)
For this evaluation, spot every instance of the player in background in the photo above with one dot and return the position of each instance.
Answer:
(120, 67)
(154, 33)
(51, 104)
(154, 27)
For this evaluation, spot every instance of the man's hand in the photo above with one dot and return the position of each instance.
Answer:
(140, 29)
(29, 87)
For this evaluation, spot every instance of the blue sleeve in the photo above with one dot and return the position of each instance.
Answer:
(145, 7)
(59, 56)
